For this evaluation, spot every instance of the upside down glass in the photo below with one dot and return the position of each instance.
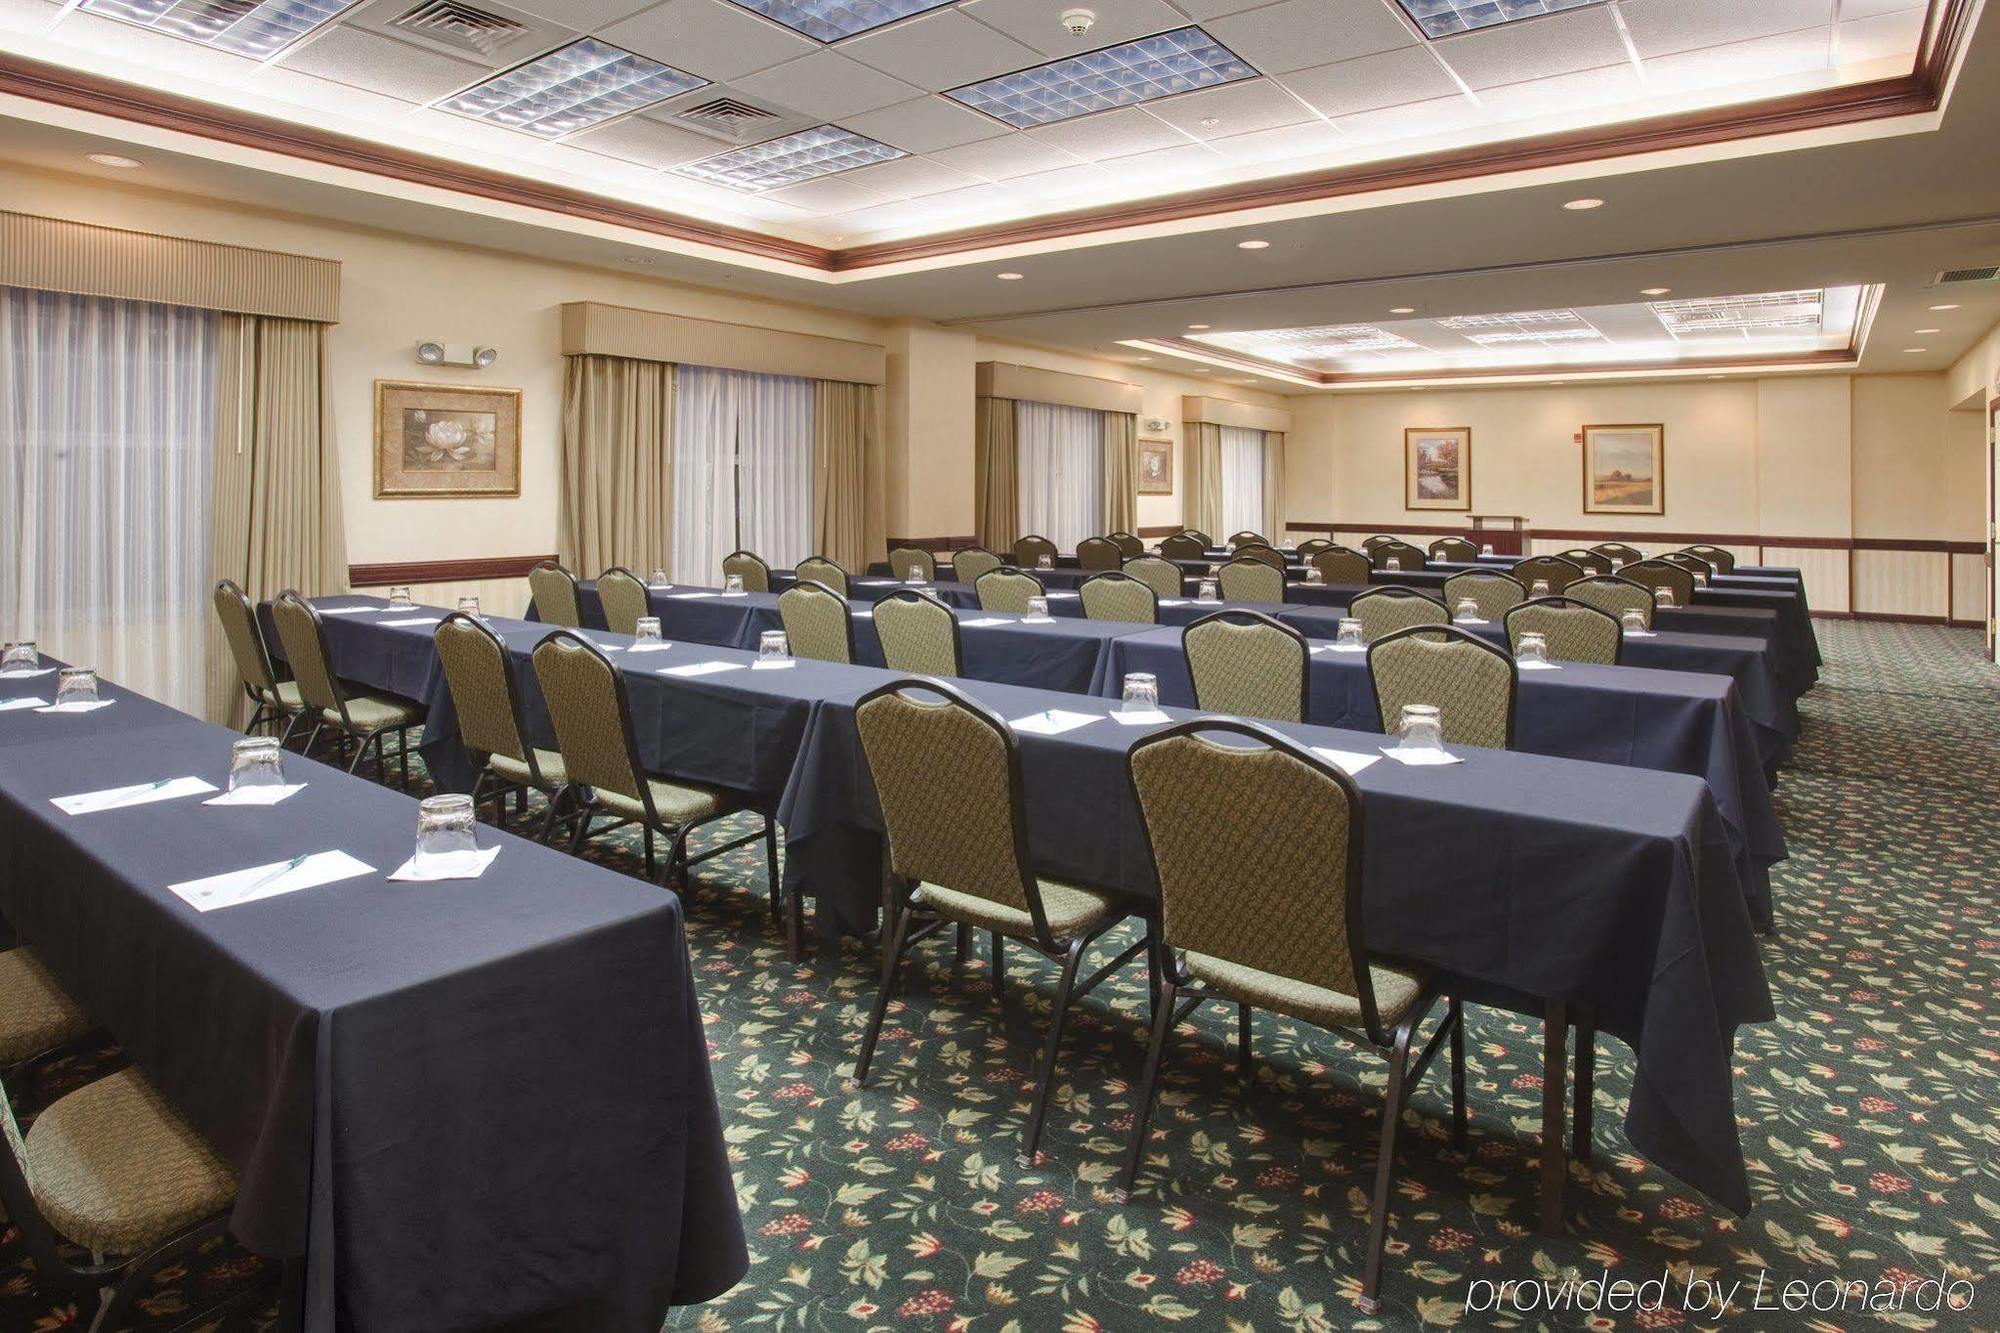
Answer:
(76, 685)
(1045, 562)
(1038, 608)
(773, 646)
(660, 579)
(22, 656)
(1314, 574)
(256, 761)
(1486, 549)
(1207, 591)
(1532, 648)
(1701, 580)
(1422, 728)
(469, 606)
(732, 584)
(1349, 633)
(400, 596)
(1142, 692)
(1394, 564)
(1633, 620)
(646, 629)
(445, 825)
(1467, 610)
(1663, 597)
(1541, 588)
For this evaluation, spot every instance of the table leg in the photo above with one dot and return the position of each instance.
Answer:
(1555, 1156)
(292, 1295)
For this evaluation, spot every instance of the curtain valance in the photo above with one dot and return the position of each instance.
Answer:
(591, 328)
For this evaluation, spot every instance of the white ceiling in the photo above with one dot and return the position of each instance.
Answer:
(1339, 81)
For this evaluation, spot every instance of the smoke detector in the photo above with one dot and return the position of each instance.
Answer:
(1076, 22)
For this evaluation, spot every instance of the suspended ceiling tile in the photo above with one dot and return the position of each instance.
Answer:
(1005, 157)
(941, 49)
(1109, 134)
(1664, 27)
(1288, 143)
(925, 124)
(1895, 34)
(829, 194)
(1035, 22)
(147, 47)
(1299, 34)
(383, 65)
(1417, 120)
(584, 15)
(910, 177)
(1535, 48)
(712, 38)
(1236, 108)
(827, 84)
(647, 141)
(297, 89)
(1388, 78)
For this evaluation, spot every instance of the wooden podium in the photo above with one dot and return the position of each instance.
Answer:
(1507, 534)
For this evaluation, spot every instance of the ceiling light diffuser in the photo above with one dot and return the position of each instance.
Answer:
(117, 160)
(1583, 205)
(1008, 277)
(1944, 307)
(1402, 310)
(823, 150)
(1124, 75)
(571, 88)
(831, 20)
(1654, 291)
(254, 28)
(1253, 245)
(1442, 18)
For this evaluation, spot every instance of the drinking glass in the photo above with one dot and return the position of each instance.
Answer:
(400, 596)
(1467, 610)
(445, 826)
(1616, 564)
(1349, 633)
(256, 761)
(1532, 648)
(1290, 545)
(660, 579)
(773, 646)
(916, 574)
(1394, 564)
(1207, 592)
(1038, 608)
(1663, 597)
(76, 685)
(1214, 568)
(646, 629)
(732, 584)
(1045, 562)
(469, 606)
(1422, 728)
(1314, 574)
(1633, 620)
(1486, 549)
(1701, 580)
(1541, 588)
(22, 656)
(1142, 692)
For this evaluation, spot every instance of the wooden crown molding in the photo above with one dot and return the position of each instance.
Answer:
(1831, 358)
(1947, 27)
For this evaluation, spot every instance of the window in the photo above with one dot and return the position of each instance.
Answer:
(1061, 471)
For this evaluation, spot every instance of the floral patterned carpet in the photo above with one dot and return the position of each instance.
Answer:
(1870, 1109)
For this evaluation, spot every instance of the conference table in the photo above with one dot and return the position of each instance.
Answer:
(1520, 874)
(451, 1104)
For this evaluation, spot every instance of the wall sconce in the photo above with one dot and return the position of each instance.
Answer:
(433, 353)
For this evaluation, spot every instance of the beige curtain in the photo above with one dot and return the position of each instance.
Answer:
(996, 482)
(1201, 460)
(1121, 472)
(1274, 484)
(617, 498)
(847, 472)
(277, 519)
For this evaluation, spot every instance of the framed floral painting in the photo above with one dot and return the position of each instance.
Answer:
(1437, 467)
(446, 441)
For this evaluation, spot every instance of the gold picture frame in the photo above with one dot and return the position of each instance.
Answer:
(1625, 469)
(446, 441)
(1437, 467)
(1156, 467)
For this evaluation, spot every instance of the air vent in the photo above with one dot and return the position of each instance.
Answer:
(449, 23)
(725, 115)
(1968, 275)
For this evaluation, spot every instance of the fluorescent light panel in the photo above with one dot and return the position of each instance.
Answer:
(831, 20)
(254, 28)
(1442, 18)
(571, 88)
(1769, 315)
(1144, 70)
(824, 150)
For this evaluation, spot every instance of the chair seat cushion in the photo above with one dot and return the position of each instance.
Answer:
(550, 762)
(1395, 991)
(1069, 910)
(35, 1014)
(674, 803)
(286, 696)
(116, 1169)
(377, 712)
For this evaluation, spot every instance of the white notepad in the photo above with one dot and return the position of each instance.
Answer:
(1422, 758)
(775, 664)
(1470, 620)
(692, 596)
(270, 795)
(25, 675)
(986, 620)
(1341, 648)
(351, 610)
(1054, 722)
(1640, 634)
(26, 701)
(90, 707)
(1536, 666)
(701, 668)
(649, 646)
(269, 881)
(1150, 717)
(414, 620)
(450, 865)
(142, 793)
(1173, 601)
(1061, 596)
(1347, 761)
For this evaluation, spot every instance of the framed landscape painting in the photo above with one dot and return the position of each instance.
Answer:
(443, 440)
(1625, 469)
(1437, 467)
(1156, 467)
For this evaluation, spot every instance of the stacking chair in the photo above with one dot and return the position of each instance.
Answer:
(1658, 574)
(1455, 549)
(905, 559)
(362, 718)
(1589, 561)
(1576, 631)
(1029, 550)
(1370, 543)
(1006, 589)
(271, 700)
(1260, 853)
(1162, 576)
(750, 567)
(1558, 572)
(819, 569)
(114, 1171)
(1246, 662)
(36, 1015)
(1116, 596)
(1721, 561)
(1407, 556)
(480, 675)
(1385, 610)
(1248, 579)
(1693, 564)
(1129, 544)
(1337, 564)
(817, 622)
(1493, 593)
(552, 589)
(1099, 553)
(1468, 680)
(947, 773)
(968, 564)
(625, 599)
(919, 634)
(1613, 596)
(1183, 546)
(1619, 551)
(1203, 538)
(1312, 546)
(1263, 551)
(1249, 538)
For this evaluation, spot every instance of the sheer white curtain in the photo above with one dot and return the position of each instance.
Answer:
(1242, 481)
(107, 435)
(1060, 453)
(743, 460)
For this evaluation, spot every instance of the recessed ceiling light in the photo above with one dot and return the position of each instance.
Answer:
(571, 88)
(1944, 307)
(1654, 291)
(1583, 205)
(1123, 75)
(1253, 245)
(1144, 358)
(1929, 330)
(1718, 377)
(640, 259)
(1402, 310)
(1557, 384)
(1008, 277)
(1442, 18)
(113, 160)
(1916, 349)
(824, 150)
(1197, 326)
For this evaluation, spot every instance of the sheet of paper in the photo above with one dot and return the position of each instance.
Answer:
(412, 620)
(783, 665)
(26, 675)
(450, 865)
(1148, 718)
(701, 668)
(986, 620)
(649, 646)
(351, 610)
(659, 587)
(865, 612)
(1536, 666)
(143, 793)
(874, 583)
(1347, 761)
(1422, 758)
(1173, 601)
(1340, 648)
(1054, 722)
(1062, 596)
(26, 701)
(692, 596)
(90, 707)
(1469, 620)
(1640, 634)
(257, 795)
(268, 881)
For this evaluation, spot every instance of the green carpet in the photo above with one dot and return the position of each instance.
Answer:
(1870, 1109)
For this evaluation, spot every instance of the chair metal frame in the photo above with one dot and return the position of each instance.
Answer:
(575, 594)
(1437, 549)
(1370, 543)
(264, 712)
(1630, 555)
(1481, 574)
(1454, 634)
(1665, 566)
(1717, 559)
(1244, 616)
(959, 574)
(1187, 545)
(1129, 544)
(1028, 550)
(1179, 576)
(1587, 560)
(1206, 541)
(1241, 561)
(1601, 579)
(1543, 565)
(557, 793)
(346, 726)
(1248, 538)
(1394, 590)
(1396, 548)
(1262, 551)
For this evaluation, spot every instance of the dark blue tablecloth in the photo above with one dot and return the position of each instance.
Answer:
(467, 1104)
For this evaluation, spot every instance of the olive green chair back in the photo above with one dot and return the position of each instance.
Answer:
(480, 675)
(904, 559)
(817, 621)
(1612, 595)
(1589, 561)
(1558, 572)
(1251, 580)
(553, 590)
(819, 569)
(1183, 546)
(1383, 611)
(1370, 543)
(1099, 553)
(968, 564)
(1406, 556)
(750, 567)
(1455, 549)
(1261, 551)
(919, 634)
(1007, 590)
(1337, 564)
(304, 640)
(586, 700)
(1248, 538)
(1693, 564)
(624, 598)
(1576, 631)
(1658, 574)
(1312, 546)
(1723, 562)
(1247, 663)
(1116, 596)
(1128, 544)
(1492, 593)
(1029, 550)
(1619, 551)
(1202, 538)
(1468, 680)
(1162, 576)
(246, 641)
